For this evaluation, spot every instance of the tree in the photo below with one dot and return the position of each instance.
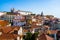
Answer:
(34, 36)
(30, 36)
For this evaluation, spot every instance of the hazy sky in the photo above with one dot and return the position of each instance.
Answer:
(51, 7)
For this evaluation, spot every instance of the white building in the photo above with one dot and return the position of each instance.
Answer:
(21, 12)
(24, 12)
(17, 21)
(2, 13)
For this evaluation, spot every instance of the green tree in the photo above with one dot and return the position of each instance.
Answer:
(28, 36)
(34, 36)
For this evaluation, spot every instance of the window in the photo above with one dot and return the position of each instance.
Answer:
(15, 32)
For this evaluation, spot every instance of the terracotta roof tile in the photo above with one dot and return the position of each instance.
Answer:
(9, 29)
(14, 28)
(8, 36)
(25, 30)
(45, 37)
(4, 22)
(6, 29)
(53, 31)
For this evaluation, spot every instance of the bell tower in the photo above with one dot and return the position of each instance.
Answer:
(12, 10)
(42, 13)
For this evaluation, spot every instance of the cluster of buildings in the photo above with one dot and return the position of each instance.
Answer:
(15, 24)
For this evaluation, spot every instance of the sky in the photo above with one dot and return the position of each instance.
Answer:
(49, 7)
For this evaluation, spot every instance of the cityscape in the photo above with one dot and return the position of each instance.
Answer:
(25, 25)
(29, 20)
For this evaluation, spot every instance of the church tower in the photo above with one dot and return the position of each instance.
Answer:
(12, 10)
(42, 13)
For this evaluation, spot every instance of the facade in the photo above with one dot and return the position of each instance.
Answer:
(7, 17)
(45, 37)
(4, 23)
(25, 21)
(21, 12)
(2, 13)
(24, 12)
(19, 20)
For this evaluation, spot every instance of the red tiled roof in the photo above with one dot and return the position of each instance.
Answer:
(14, 28)
(4, 22)
(8, 36)
(9, 29)
(45, 37)
(6, 29)
(53, 31)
